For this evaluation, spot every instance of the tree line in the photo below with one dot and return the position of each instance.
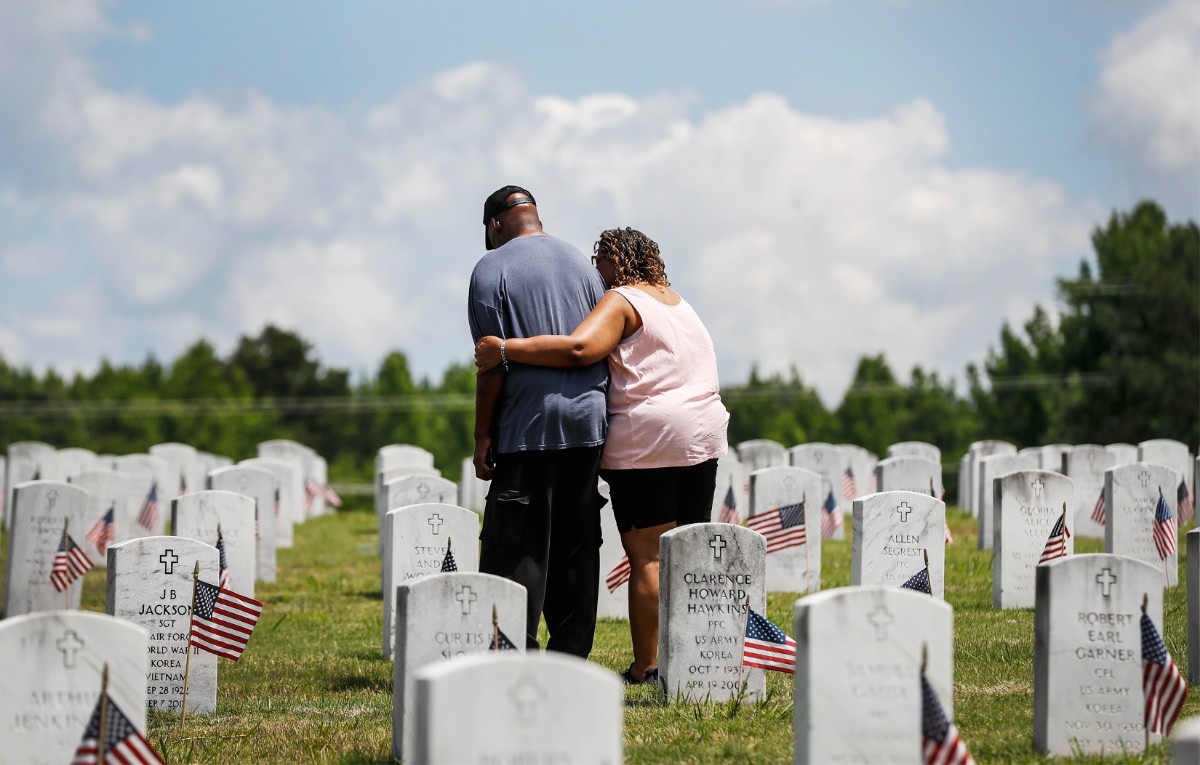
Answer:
(1119, 361)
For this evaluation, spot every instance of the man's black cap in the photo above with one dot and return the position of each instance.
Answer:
(497, 203)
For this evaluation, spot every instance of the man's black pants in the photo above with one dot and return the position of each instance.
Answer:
(541, 529)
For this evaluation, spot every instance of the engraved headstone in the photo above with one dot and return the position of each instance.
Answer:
(925, 451)
(41, 509)
(200, 514)
(549, 708)
(288, 504)
(300, 457)
(990, 468)
(1051, 456)
(260, 485)
(185, 471)
(909, 474)
(1185, 741)
(150, 584)
(416, 538)
(409, 489)
(22, 464)
(732, 476)
(611, 603)
(146, 472)
(858, 673)
(445, 617)
(1122, 454)
(775, 494)
(53, 662)
(391, 458)
(106, 490)
(707, 571)
(893, 531)
(74, 460)
(1173, 454)
(861, 466)
(1193, 606)
(826, 461)
(963, 481)
(1027, 505)
(759, 453)
(1130, 500)
(1087, 658)
(1085, 465)
(976, 452)
(472, 491)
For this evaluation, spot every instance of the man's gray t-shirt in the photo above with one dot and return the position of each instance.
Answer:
(540, 285)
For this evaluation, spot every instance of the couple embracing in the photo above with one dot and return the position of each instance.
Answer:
(586, 369)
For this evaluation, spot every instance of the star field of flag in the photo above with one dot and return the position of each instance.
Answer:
(222, 620)
(1165, 539)
(102, 534)
(448, 563)
(729, 512)
(783, 527)
(767, 647)
(1056, 544)
(501, 642)
(831, 519)
(919, 582)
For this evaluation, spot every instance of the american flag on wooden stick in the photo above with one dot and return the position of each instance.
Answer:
(729, 512)
(783, 527)
(848, 489)
(1056, 544)
(123, 743)
(102, 533)
(831, 519)
(1163, 685)
(222, 620)
(1165, 533)
(619, 574)
(940, 742)
(148, 515)
(70, 562)
(223, 561)
(449, 565)
(766, 646)
(1183, 501)
(1099, 511)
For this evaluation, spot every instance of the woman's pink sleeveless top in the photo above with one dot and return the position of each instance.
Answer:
(664, 400)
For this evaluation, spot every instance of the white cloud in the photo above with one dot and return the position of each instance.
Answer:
(1147, 102)
(801, 239)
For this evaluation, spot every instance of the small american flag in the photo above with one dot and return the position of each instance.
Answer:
(1099, 512)
(222, 620)
(224, 563)
(330, 495)
(1056, 544)
(1162, 683)
(848, 489)
(148, 515)
(729, 512)
(69, 563)
(102, 534)
(919, 582)
(619, 574)
(940, 742)
(1183, 500)
(767, 647)
(831, 520)
(1164, 529)
(310, 494)
(449, 565)
(783, 527)
(123, 743)
(500, 642)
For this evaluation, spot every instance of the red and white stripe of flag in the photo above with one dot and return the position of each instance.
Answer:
(619, 574)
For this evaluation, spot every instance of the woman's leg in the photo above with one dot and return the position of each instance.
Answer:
(641, 545)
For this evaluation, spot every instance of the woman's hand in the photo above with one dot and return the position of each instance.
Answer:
(487, 354)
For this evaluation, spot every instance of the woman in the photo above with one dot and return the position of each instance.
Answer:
(666, 422)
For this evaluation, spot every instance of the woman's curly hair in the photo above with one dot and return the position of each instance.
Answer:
(634, 257)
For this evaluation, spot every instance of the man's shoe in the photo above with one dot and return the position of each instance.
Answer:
(651, 677)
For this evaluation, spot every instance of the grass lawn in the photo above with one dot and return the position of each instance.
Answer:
(312, 686)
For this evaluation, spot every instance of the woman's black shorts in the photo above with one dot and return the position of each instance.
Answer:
(654, 496)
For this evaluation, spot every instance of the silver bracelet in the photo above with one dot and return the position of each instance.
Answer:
(503, 357)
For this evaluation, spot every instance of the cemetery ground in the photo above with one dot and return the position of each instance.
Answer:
(313, 687)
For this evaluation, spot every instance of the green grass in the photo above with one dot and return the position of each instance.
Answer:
(312, 686)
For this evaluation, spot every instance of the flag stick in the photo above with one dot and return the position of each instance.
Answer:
(187, 663)
(495, 630)
(924, 656)
(1146, 728)
(926, 552)
(807, 565)
(103, 715)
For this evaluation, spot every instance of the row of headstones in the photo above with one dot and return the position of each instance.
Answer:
(1084, 463)
(859, 655)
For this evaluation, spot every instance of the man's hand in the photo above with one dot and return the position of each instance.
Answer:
(487, 354)
(483, 446)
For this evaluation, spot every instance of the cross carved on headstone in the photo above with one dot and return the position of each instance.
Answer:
(242, 482)
(1106, 579)
(788, 483)
(435, 523)
(1144, 479)
(168, 559)
(69, 644)
(881, 619)
(466, 597)
(527, 697)
(717, 543)
(818, 455)
(422, 490)
(904, 510)
(1037, 487)
(51, 499)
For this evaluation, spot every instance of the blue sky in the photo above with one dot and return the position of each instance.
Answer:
(906, 175)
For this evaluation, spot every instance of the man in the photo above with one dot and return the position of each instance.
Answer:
(539, 431)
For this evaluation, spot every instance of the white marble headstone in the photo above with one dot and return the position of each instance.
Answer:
(1051, 455)
(22, 464)
(185, 470)
(198, 516)
(472, 491)
(976, 452)
(549, 708)
(53, 663)
(732, 476)
(990, 468)
(105, 490)
(1173, 454)
(145, 472)
(759, 453)
(707, 571)
(415, 542)
(1085, 464)
(1185, 741)
(925, 451)
(289, 504)
(41, 509)
(858, 673)
(442, 618)
(909, 474)
(1087, 658)
(893, 530)
(790, 568)
(74, 460)
(825, 460)
(300, 458)
(1027, 505)
(861, 464)
(1122, 454)
(260, 485)
(1130, 501)
(391, 457)
(150, 584)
